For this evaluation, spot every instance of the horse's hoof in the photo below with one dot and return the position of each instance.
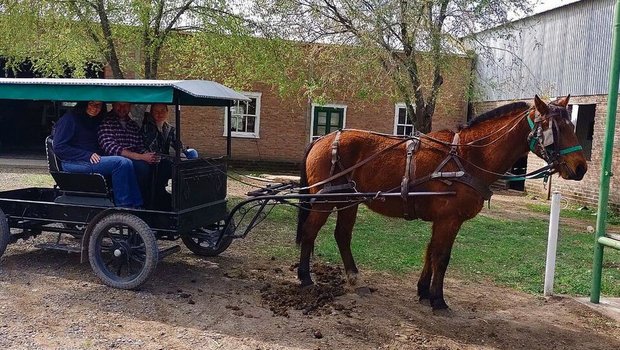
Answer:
(352, 278)
(425, 301)
(439, 304)
(424, 294)
(306, 284)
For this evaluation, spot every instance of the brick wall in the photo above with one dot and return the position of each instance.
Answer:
(285, 121)
(584, 192)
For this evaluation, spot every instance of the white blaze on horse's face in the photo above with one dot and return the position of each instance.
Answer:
(559, 134)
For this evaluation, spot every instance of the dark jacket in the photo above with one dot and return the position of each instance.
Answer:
(156, 141)
(75, 137)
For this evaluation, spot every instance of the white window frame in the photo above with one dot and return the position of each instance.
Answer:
(398, 106)
(344, 115)
(251, 135)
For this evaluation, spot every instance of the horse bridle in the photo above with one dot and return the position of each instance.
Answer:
(544, 141)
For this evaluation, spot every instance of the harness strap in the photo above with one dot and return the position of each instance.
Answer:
(460, 175)
(350, 169)
(571, 150)
(335, 158)
(411, 147)
(476, 184)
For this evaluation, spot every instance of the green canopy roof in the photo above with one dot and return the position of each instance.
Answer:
(183, 92)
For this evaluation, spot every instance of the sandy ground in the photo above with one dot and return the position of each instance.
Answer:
(242, 300)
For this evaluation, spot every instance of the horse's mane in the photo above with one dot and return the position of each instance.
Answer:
(497, 112)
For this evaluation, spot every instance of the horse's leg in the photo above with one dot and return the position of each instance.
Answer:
(344, 229)
(310, 230)
(444, 234)
(424, 283)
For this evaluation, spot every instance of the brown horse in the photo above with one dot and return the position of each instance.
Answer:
(467, 161)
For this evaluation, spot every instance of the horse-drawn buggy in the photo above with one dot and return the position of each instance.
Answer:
(443, 177)
(119, 242)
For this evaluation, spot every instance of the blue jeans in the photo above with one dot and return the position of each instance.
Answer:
(124, 181)
(142, 170)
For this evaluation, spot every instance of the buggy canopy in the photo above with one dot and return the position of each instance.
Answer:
(182, 92)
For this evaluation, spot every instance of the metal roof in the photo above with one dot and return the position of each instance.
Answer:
(555, 53)
(183, 92)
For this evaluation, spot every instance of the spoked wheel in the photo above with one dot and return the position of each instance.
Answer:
(122, 251)
(203, 241)
(5, 233)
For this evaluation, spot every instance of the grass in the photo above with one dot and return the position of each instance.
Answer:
(587, 215)
(506, 252)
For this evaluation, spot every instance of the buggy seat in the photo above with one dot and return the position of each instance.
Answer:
(75, 188)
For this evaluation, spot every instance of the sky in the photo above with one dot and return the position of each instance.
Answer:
(544, 5)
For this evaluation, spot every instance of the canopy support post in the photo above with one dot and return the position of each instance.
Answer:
(228, 132)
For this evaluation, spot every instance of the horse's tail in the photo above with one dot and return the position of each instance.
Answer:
(304, 204)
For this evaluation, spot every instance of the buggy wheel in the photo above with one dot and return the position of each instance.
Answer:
(203, 241)
(122, 251)
(5, 233)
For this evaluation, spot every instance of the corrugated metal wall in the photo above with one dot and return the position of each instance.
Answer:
(559, 52)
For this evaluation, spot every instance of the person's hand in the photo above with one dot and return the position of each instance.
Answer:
(150, 157)
(95, 158)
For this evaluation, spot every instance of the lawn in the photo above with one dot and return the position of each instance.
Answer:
(507, 252)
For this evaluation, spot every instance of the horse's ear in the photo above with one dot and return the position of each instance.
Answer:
(563, 101)
(541, 106)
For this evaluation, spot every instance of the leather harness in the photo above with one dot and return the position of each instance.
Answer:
(408, 182)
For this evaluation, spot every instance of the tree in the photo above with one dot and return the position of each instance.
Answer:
(402, 36)
(129, 35)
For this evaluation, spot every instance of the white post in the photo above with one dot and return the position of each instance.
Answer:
(554, 221)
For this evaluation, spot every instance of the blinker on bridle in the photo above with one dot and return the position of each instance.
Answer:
(545, 139)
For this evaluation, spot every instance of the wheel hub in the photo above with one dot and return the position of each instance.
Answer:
(122, 249)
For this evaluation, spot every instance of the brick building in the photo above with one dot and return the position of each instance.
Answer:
(533, 58)
(276, 129)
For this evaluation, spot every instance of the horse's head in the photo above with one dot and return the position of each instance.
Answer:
(553, 139)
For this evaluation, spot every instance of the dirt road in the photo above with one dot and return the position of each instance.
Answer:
(243, 300)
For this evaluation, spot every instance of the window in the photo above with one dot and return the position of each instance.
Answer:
(326, 119)
(245, 118)
(582, 117)
(402, 121)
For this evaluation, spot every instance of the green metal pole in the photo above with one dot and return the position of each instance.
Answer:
(610, 127)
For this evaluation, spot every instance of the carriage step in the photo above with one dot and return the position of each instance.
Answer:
(60, 247)
(168, 251)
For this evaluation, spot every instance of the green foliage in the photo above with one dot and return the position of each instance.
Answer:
(236, 59)
(410, 42)
(127, 35)
(36, 31)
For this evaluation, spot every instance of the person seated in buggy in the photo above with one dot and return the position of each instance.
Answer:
(159, 137)
(76, 145)
(119, 135)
